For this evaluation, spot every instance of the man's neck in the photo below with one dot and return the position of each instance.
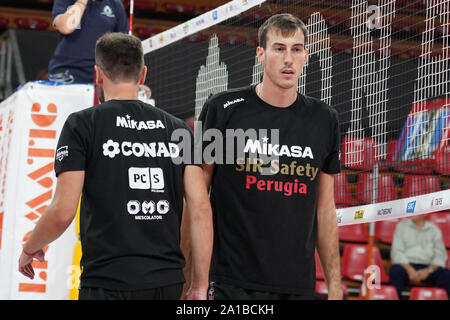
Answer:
(419, 224)
(121, 91)
(276, 96)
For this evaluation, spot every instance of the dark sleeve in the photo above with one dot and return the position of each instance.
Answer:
(71, 151)
(60, 7)
(122, 19)
(332, 163)
(211, 117)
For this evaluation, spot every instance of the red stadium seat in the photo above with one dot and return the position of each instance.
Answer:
(358, 153)
(354, 233)
(414, 53)
(390, 151)
(384, 230)
(198, 37)
(179, 8)
(321, 288)
(428, 294)
(346, 47)
(257, 14)
(415, 4)
(335, 20)
(142, 5)
(29, 23)
(144, 33)
(415, 185)
(342, 193)
(384, 292)
(262, 14)
(442, 220)
(3, 22)
(405, 26)
(231, 39)
(319, 272)
(354, 262)
(385, 188)
(204, 9)
(443, 164)
(145, 5)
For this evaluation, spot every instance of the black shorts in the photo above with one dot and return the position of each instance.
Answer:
(223, 291)
(172, 292)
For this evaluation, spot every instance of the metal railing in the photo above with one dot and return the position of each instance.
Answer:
(10, 64)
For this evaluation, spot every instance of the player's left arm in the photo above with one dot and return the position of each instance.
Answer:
(327, 236)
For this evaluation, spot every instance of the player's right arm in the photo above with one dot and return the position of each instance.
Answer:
(56, 218)
(208, 171)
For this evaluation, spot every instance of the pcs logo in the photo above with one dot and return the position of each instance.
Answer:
(146, 178)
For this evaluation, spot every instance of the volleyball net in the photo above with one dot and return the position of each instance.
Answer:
(383, 65)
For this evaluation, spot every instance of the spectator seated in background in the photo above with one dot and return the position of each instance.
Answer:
(145, 95)
(418, 254)
(80, 24)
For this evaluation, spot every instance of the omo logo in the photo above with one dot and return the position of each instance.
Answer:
(146, 178)
(161, 207)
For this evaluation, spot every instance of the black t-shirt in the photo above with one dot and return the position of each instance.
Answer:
(132, 198)
(264, 202)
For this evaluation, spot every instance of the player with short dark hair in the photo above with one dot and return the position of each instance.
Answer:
(120, 157)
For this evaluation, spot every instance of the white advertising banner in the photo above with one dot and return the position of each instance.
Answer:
(199, 23)
(31, 121)
(401, 208)
(6, 121)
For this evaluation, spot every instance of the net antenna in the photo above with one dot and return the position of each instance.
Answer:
(130, 26)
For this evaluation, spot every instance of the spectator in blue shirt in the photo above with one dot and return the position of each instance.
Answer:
(80, 24)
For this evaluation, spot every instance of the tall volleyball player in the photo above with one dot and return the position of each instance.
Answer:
(266, 227)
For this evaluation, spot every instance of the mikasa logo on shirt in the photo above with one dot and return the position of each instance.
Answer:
(62, 152)
(255, 146)
(127, 122)
(229, 103)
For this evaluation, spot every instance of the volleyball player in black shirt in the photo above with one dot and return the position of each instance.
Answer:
(274, 203)
(119, 156)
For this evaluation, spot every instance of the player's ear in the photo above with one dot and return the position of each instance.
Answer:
(98, 75)
(143, 75)
(260, 54)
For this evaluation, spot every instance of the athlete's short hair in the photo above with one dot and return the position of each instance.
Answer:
(120, 56)
(285, 22)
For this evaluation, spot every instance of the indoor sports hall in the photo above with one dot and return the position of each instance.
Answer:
(383, 65)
